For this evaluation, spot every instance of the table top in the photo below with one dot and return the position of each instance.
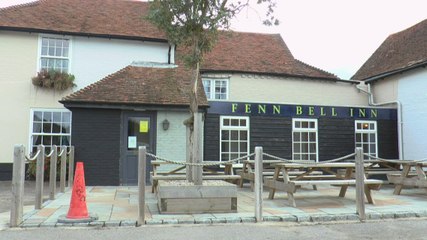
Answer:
(316, 165)
(263, 161)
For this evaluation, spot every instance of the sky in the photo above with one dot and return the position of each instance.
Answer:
(337, 36)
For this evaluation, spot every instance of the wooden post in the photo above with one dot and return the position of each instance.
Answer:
(39, 177)
(197, 152)
(18, 179)
(188, 168)
(258, 183)
(142, 164)
(63, 168)
(71, 167)
(360, 185)
(52, 175)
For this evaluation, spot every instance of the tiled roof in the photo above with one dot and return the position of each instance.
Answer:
(140, 85)
(400, 51)
(111, 18)
(258, 53)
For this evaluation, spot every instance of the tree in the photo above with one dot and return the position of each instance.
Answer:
(194, 24)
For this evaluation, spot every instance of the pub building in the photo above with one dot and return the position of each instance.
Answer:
(253, 92)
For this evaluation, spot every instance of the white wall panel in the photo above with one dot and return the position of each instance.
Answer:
(413, 95)
(95, 58)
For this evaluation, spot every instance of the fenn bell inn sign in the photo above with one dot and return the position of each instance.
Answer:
(307, 111)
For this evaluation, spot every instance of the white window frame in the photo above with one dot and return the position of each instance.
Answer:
(31, 133)
(366, 131)
(309, 130)
(39, 52)
(231, 128)
(212, 81)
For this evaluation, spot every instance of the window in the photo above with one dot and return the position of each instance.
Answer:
(216, 89)
(234, 137)
(50, 127)
(304, 139)
(366, 136)
(54, 54)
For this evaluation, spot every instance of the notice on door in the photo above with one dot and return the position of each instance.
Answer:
(131, 142)
(143, 126)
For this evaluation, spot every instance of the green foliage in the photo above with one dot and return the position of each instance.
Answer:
(195, 23)
(32, 169)
(53, 79)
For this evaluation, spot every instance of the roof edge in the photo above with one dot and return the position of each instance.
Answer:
(280, 75)
(121, 105)
(396, 71)
(122, 37)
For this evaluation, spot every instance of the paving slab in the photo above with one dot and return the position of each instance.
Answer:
(117, 206)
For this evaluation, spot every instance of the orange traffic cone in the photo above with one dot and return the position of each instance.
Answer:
(78, 208)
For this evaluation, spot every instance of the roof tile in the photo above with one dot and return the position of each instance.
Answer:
(257, 53)
(141, 85)
(98, 17)
(398, 52)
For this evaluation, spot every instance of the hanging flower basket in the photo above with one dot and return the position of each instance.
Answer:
(53, 80)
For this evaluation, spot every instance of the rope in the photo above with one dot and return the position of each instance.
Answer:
(394, 160)
(62, 152)
(201, 164)
(50, 154)
(34, 157)
(340, 158)
(275, 157)
(309, 161)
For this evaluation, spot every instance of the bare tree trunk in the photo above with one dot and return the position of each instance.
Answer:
(194, 125)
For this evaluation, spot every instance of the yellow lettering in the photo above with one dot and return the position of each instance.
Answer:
(351, 112)
(374, 113)
(362, 112)
(311, 111)
(247, 108)
(276, 109)
(261, 108)
(333, 112)
(322, 111)
(299, 110)
(233, 107)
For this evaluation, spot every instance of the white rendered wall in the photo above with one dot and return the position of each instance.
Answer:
(386, 90)
(253, 88)
(413, 95)
(171, 143)
(18, 61)
(95, 58)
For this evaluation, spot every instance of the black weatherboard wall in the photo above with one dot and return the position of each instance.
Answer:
(273, 130)
(96, 137)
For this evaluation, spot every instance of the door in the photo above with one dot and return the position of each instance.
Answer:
(138, 130)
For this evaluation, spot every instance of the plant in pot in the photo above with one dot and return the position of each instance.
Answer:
(53, 79)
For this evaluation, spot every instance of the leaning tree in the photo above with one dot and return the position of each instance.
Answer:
(194, 25)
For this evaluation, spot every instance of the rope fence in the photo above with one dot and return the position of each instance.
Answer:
(203, 164)
(18, 176)
(393, 160)
(309, 162)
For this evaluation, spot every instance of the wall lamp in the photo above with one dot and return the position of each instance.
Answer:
(165, 124)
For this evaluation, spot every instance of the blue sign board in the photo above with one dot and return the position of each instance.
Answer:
(284, 110)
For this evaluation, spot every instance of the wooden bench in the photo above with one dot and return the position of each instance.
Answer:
(155, 178)
(291, 187)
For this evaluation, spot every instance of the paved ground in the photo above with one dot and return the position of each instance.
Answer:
(29, 194)
(117, 206)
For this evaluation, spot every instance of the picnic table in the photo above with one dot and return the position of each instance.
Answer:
(408, 177)
(248, 171)
(290, 185)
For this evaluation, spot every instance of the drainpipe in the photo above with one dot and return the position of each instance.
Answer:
(399, 116)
